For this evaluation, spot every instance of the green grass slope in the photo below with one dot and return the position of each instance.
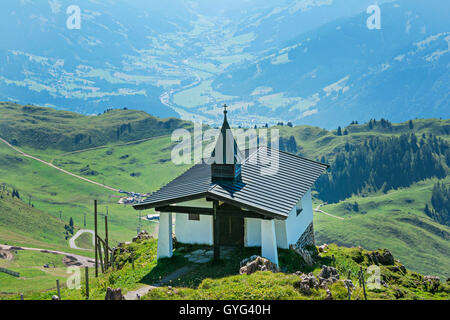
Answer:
(395, 220)
(33, 275)
(42, 128)
(26, 222)
(222, 280)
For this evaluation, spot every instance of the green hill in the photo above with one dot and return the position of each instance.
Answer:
(222, 281)
(42, 128)
(395, 220)
(23, 225)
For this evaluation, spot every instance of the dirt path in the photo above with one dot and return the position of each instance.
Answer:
(317, 209)
(57, 168)
(79, 233)
(82, 260)
(137, 294)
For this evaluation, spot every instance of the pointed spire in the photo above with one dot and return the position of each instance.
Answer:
(227, 154)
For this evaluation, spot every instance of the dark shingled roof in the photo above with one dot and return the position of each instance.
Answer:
(272, 195)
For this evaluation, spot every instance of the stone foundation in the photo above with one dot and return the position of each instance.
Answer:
(307, 238)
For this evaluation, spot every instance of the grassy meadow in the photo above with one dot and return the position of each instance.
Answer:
(395, 220)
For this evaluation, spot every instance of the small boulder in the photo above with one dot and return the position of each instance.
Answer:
(323, 247)
(306, 283)
(303, 287)
(329, 295)
(384, 257)
(256, 263)
(114, 294)
(143, 235)
(55, 297)
(328, 272)
(431, 283)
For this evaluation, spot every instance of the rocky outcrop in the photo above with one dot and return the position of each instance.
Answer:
(327, 276)
(114, 294)
(256, 263)
(306, 283)
(328, 272)
(431, 283)
(143, 235)
(384, 258)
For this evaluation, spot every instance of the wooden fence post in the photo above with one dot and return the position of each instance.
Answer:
(333, 260)
(132, 260)
(86, 271)
(57, 287)
(363, 282)
(99, 247)
(106, 243)
(348, 290)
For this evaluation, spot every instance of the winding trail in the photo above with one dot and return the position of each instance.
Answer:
(317, 209)
(57, 168)
(84, 261)
(79, 233)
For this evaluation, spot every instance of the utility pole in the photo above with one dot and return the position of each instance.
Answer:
(85, 220)
(95, 240)
(60, 215)
(29, 201)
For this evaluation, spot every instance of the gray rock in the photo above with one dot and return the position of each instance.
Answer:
(328, 272)
(329, 295)
(431, 283)
(114, 294)
(257, 264)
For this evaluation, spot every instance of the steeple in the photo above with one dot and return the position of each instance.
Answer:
(226, 155)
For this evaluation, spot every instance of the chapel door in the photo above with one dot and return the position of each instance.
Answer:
(231, 231)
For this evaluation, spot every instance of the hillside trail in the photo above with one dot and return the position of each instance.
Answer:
(57, 168)
(79, 233)
(84, 261)
(317, 209)
(137, 294)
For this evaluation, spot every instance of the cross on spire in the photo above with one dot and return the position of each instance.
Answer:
(225, 109)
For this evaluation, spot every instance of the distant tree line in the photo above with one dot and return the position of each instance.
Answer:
(288, 144)
(383, 164)
(440, 200)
